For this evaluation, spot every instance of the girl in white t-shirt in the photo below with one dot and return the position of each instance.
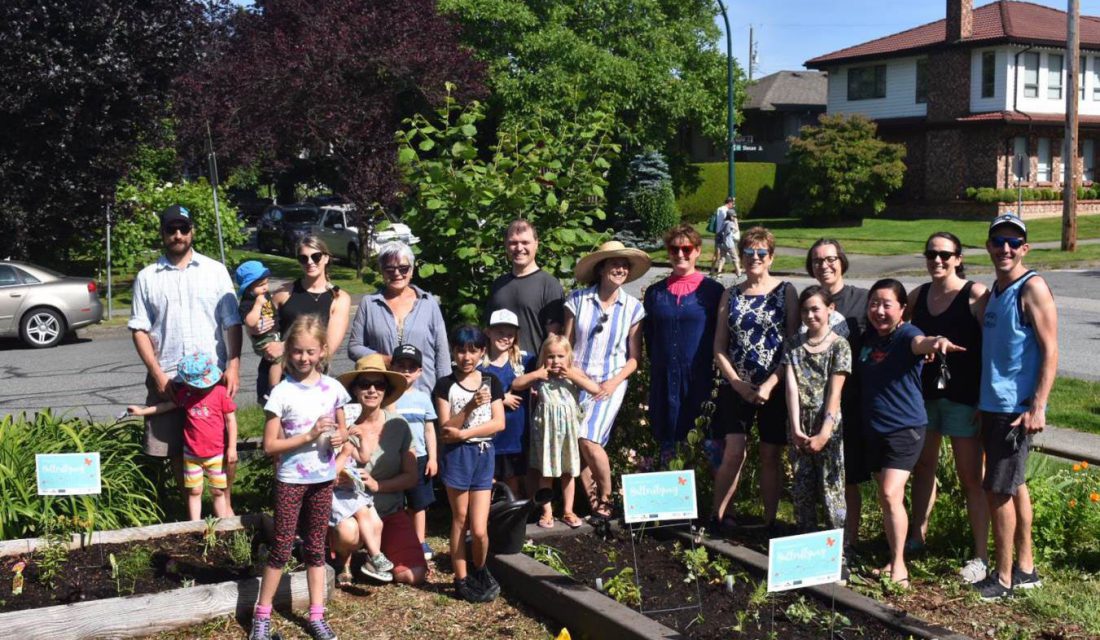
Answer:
(305, 427)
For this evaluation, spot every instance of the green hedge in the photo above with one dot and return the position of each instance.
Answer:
(760, 190)
(989, 195)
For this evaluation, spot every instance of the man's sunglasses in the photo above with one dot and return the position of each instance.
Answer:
(182, 229)
(1012, 242)
(315, 257)
(944, 256)
(365, 384)
(760, 254)
(599, 325)
(403, 269)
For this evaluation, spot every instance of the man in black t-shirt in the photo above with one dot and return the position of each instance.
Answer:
(535, 296)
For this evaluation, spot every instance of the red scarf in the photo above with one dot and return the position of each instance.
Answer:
(681, 286)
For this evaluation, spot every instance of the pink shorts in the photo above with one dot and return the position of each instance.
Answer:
(400, 544)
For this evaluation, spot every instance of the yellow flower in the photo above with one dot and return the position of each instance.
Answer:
(1095, 497)
(1076, 467)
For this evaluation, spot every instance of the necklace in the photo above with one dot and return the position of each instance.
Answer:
(811, 343)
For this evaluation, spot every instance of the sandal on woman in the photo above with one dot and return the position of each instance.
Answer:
(571, 520)
(603, 509)
(344, 579)
(546, 522)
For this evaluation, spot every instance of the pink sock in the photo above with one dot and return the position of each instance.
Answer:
(262, 611)
(316, 612)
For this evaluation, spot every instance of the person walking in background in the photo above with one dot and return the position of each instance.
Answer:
(895, 421)
(680, 315)
(756, 316)
(1019, 363)
(534, 295)
(184, 303)
(401, 313)
(604, 323)
(827, 263)
(726, 239)
(715, 223)
(816, 364)
(949, 306)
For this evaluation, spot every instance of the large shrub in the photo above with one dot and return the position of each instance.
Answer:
(840, 170)
(761, 190)
(130, 494)
(648, 201)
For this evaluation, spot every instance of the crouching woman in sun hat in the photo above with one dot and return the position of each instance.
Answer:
(603, 322)
(386, 465)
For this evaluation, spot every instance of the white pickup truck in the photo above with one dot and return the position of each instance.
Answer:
(336, 226)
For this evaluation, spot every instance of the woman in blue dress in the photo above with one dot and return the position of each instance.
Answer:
(680, 315)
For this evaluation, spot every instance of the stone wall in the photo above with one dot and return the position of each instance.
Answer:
(970, 210)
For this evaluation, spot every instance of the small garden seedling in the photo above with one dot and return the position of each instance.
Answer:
(240, 548)
(623, 588)
(209, 535)
(548, 556)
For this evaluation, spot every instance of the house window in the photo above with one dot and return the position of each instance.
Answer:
(1031, 75)
(989, 73)
(865, 83)
(1088, 156)
(1054, 76)
(1020, 159)
(1044, 164)
(1081, 76)
(922, 80)
(1096, 78)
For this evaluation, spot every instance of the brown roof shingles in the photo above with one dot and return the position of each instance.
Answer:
(1008, 21)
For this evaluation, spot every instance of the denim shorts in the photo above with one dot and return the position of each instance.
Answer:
(468, 466)
(951, 418)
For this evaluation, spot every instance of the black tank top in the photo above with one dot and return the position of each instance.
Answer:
(302, 302)
(960, 326)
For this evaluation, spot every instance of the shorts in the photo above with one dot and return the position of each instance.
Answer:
(855, 444)
(952, 419)
(421, 495)
(194, 467)
(735, 416)
(261, 341)
(346, 503)
(1006, 451)
(163, 436)
(400, 544)
(509, 465)
(468, 466)
(895, 450)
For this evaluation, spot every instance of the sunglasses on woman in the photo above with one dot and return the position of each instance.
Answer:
(684, 249)
(393, 269)
(944, 256)
(304, 258)
(759, 254)
(380, 385)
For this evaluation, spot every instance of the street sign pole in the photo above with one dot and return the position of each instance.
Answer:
(731, 180)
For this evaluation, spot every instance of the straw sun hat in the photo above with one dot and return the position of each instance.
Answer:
(585, 271)
(375, 363)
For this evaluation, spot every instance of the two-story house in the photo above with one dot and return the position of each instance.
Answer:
(970, 93)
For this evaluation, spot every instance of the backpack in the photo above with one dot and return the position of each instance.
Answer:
(712, 224)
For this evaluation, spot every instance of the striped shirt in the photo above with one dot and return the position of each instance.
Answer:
(601, 338)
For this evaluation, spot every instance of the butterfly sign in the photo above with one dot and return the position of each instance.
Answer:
(661, 495)
(805, 560)
(68, 474)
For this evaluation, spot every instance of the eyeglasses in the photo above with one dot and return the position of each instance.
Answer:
(685, 249)
(1013, 243)
(304, 258)
(403, 269)
(829, 260)
(760, 254)
(182, 229)
(600, 324)
(365, 384)
(944, 256)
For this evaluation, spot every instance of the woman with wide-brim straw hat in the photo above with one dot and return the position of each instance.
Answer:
(388, 468)
(604, 324)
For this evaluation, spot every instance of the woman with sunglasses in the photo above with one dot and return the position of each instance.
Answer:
(680, 314)
(949, 306)
(757, 316)
(603, 323)
(313, 293)
(401, 313)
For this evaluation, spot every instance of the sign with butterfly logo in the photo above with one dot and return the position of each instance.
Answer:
(662, 495)
(68, 474)
(805, 560)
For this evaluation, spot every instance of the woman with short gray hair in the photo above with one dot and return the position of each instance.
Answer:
(401, 313)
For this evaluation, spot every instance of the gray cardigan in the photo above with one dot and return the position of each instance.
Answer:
(374, 330)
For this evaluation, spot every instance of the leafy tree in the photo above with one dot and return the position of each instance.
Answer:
(463, 192)
(839, 169)
(81, 83)
(652, 64)
(325, 85)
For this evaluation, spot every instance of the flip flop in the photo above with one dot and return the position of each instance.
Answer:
(546, 523)
(571, 520)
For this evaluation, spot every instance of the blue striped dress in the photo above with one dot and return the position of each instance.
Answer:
(600, 346)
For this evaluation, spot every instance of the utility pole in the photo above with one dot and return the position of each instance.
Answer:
(752, 53)
(731, 179)
(1069, 154)
(214, 187)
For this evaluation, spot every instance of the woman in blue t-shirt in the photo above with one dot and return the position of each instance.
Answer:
(890, 363)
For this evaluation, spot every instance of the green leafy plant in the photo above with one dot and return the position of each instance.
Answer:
(53, 555)
(759, 595)
(696, 561)
(130, 566)
(623, 588)
(801, 611)
(209, 535)
(1066, 504)
(240, 547)
(548, 556)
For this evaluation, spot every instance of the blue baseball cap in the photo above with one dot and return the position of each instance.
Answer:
(249, 273)
(1008, 219)
(199, 370)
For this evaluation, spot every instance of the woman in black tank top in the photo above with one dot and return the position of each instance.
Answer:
(947, 306)
(313, 293)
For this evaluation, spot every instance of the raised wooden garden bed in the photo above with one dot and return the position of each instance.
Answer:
(180, 554)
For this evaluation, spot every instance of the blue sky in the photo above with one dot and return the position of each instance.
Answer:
(790, 32)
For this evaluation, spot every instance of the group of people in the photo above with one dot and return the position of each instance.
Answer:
(533, 396)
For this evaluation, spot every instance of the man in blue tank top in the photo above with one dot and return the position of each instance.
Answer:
(1019, 362)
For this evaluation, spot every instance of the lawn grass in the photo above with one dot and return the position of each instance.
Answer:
(1075, 404)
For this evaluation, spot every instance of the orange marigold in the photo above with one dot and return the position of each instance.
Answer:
(1084, 464)
(1072, 503)
(1076, 467)
(1095, 497)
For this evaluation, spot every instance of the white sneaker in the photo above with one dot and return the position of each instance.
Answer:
(974, 571)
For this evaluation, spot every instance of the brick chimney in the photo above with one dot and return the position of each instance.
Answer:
(960, 19)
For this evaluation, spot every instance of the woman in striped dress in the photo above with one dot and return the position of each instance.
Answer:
(603, 322)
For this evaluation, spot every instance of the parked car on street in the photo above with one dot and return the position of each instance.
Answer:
(41, 306)
(337, 228)
(282, 224)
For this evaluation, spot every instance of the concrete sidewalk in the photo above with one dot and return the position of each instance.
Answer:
(1069, 444)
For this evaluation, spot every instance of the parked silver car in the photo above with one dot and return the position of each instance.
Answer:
(336, 227)
(41, 306)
